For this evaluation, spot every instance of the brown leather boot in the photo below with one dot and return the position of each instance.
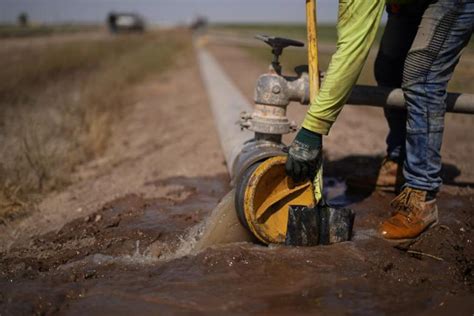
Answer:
(388, 176)
(413, 215)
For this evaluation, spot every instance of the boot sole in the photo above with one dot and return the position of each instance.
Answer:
(410, 241)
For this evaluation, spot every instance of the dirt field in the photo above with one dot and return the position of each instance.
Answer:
(59, 99)
(103, 246)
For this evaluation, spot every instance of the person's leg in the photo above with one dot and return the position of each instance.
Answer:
(445, 30)
(399, 33)
(398, 36)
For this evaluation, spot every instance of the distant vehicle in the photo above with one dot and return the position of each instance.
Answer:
(199, 24)
(125, 22)
(23, 19)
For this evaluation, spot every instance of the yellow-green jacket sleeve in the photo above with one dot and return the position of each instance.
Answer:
(357, 26)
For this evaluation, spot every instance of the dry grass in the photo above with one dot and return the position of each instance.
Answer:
(11, 30)
(58, 103)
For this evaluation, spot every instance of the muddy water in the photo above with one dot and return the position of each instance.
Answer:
(222, 226)
(123, 259)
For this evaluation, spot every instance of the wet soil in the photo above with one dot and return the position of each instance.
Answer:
(116, 242)
(117, 261)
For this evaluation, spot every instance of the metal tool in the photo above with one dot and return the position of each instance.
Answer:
(320, 225)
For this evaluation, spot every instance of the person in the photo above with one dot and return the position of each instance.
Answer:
(420, 48)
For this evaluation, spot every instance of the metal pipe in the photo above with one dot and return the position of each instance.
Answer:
(393, 98)
(241, 147)
(227, 103)
(390, 97)
(275, 90)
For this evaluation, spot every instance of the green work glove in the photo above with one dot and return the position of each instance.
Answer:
(303, 155)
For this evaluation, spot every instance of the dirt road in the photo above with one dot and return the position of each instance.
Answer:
(103, 246)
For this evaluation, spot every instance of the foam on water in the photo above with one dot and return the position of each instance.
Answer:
(99, 259)
(221, 227)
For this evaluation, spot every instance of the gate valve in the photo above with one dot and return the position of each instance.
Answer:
(278, 44)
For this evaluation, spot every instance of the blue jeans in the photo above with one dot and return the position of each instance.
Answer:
(430, 39)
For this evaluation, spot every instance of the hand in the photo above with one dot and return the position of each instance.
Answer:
(304, 155)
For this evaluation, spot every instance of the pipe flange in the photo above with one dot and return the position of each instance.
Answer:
(270, 126)
(253, 152)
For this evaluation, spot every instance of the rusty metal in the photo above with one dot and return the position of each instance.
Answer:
(274, 92)
(278, 90)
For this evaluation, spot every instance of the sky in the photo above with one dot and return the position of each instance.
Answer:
(167, 12)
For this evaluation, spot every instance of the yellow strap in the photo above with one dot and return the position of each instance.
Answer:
(318, 184)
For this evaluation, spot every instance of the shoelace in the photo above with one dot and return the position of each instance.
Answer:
(403, 202)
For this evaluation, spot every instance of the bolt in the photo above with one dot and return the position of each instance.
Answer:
(276, 89)
(245, 125)
(245, 116)
(293, 127)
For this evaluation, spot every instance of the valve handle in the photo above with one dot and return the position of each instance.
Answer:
(278, 44)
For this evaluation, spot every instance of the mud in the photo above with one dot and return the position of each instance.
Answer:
(135, 253)
(122, 259)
